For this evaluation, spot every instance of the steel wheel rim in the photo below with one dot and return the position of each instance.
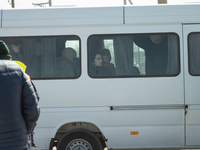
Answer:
(79, 144)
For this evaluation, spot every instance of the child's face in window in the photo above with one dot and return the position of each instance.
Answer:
(106, 59)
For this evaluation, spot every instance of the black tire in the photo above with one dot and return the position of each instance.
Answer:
(82, 138)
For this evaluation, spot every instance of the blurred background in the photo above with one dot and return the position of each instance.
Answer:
(86, 3)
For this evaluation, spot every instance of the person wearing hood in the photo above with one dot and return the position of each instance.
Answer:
(19, 110)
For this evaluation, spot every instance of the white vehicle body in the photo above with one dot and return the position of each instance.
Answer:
(125, 113)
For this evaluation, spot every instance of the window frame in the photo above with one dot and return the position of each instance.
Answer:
(52, 36)
(123, 34)
(188, 50)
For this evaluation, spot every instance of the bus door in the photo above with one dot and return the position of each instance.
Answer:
(192, 83)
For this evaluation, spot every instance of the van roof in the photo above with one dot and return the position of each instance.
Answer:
(90, 16)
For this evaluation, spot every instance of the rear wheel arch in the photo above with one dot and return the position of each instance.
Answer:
(79, 139)
(82, 126)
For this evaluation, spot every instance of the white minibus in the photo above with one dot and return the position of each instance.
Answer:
(124, 77)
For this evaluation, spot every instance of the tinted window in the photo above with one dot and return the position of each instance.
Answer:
(133, 55)
(47, 57)
(194, 53)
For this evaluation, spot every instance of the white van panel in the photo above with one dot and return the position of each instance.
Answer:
(154, 126)
(62, 17)
(192, 137)
(148, 137)
(127, 93)
(173, 13)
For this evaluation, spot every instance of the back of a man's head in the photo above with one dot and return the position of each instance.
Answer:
(69, 53)
(156, 38)
(4, 51)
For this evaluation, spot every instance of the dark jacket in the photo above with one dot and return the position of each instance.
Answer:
(110, 67)
(99, 71)
(65, 67)
(156, 54)
(19, 109)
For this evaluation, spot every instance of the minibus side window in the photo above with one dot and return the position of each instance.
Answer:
(137, 55)
(194, 53)
(47, 57)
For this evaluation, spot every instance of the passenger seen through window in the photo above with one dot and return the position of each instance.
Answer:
(151, 55)
(96, 65)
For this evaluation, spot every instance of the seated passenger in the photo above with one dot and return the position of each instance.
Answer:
(65, 67)
(106, 57)
(96, 66)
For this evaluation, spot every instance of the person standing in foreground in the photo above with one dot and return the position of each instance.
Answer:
(19, 108)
